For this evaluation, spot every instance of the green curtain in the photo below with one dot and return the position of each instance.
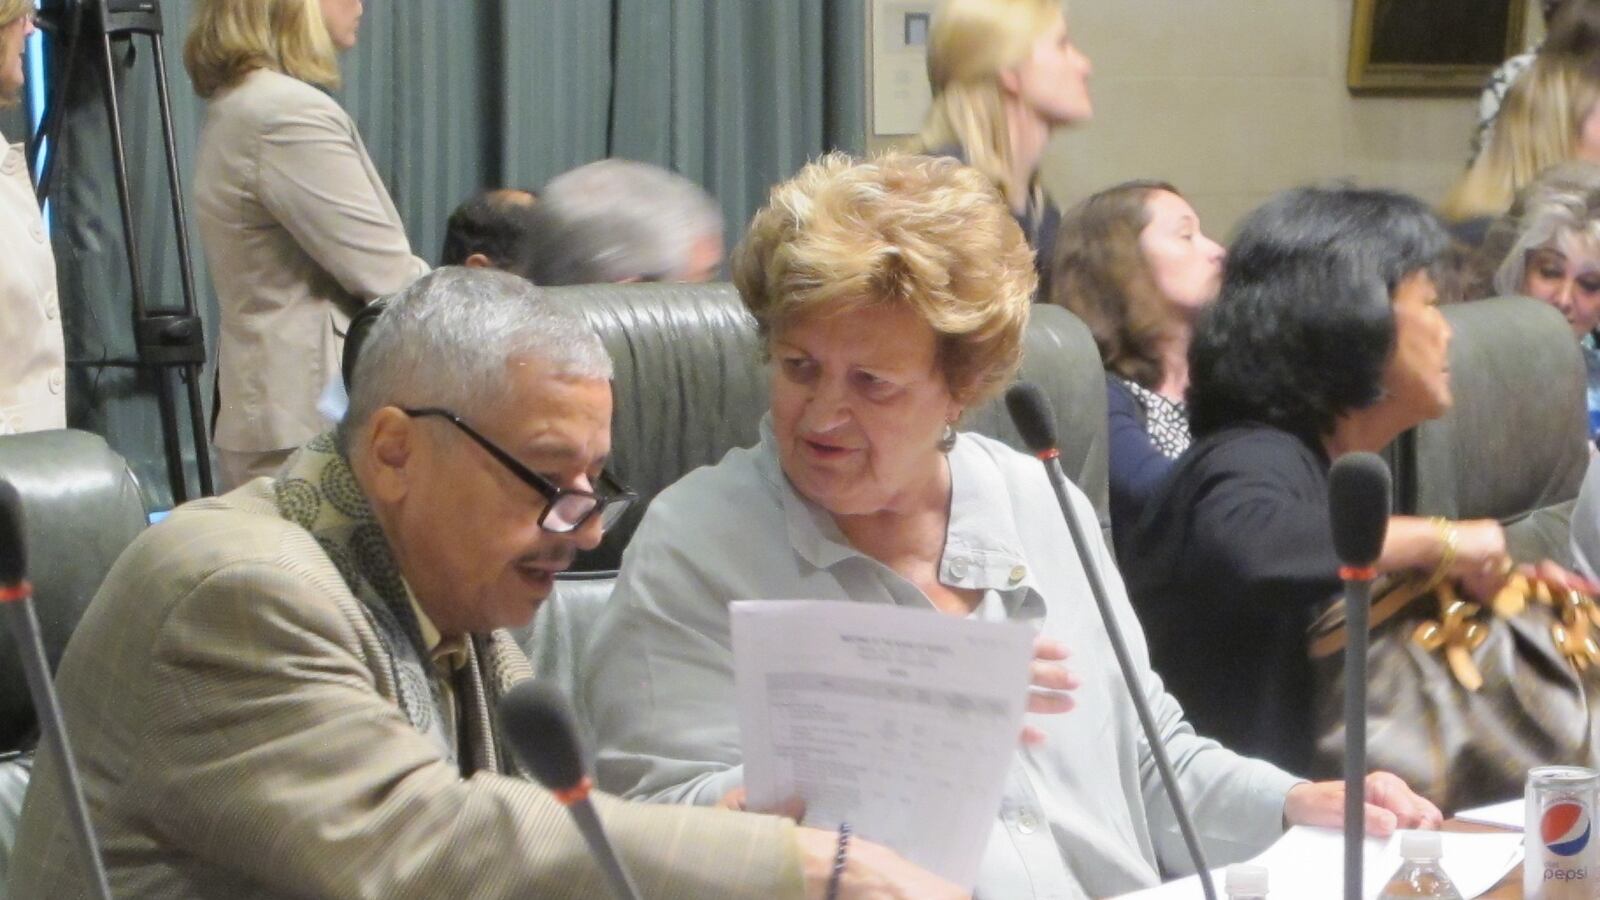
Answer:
(451, 97)
(554, 93)
(737, 95)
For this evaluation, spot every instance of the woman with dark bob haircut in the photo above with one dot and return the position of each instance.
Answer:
(1324, 340)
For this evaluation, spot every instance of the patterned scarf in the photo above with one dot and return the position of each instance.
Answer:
(317, 490)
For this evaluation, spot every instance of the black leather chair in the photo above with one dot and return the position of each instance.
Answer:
(81, 507)
(691, 385)
(1515, 445)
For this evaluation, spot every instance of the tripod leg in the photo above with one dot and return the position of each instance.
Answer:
(191, 373)
(174, 180)
(197, 423)
(119, 156)
(169, 434)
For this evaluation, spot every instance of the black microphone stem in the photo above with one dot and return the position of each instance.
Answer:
(1130, 677)
(24, 625)
(538, 727)
(594, 834)
(1357, 600)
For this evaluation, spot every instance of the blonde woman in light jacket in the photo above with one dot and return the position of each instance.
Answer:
(33, 364)
(299, 231)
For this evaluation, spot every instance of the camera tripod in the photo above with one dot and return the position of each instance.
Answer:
(169, 342)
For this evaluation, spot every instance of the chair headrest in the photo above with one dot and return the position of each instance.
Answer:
(81, 508)
(1516, 438)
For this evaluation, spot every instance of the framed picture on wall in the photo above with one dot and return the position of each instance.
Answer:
(1432, 46)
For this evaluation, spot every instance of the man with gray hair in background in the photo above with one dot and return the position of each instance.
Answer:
(617, 220)
(289, 690)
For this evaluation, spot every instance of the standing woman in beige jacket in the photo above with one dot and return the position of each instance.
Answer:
(33, 366)
(299, 231)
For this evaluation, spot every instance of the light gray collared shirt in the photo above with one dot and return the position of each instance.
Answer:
(1082, 815)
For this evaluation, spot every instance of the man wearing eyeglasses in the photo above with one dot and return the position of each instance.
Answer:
(288, 690)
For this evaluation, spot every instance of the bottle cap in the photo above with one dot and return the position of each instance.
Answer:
(1247, 880)
(1421, 846)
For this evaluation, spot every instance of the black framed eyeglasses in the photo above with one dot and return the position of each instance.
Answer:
(566, 509)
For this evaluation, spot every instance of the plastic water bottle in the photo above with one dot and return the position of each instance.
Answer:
(1246, 883)
(1420, 874)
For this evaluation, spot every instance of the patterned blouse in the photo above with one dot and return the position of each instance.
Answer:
(1166, 420)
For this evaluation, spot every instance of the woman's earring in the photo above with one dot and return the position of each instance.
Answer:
(947, 441)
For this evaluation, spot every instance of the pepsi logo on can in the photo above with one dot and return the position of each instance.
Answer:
(1565, 828)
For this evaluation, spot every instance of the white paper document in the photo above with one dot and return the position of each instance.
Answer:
(1510, 814)
(1308, 864)
(901, 722)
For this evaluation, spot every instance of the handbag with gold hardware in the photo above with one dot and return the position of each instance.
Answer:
(1463, 700)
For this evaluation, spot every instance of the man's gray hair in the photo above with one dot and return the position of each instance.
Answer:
(449, 338)
(616, 219)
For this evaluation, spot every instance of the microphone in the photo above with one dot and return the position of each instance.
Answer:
(16, 606)
(1036, 422)
(538, 728)
(1358, 509)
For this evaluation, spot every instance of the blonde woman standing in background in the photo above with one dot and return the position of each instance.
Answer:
(33, 366)
(1549, 117)
(1005, 76)
(299, 231)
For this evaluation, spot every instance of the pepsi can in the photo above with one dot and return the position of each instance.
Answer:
(1562, 861)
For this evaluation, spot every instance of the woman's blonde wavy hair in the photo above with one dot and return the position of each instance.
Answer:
(970, 44)
(229, 39)
(1538, 127)
(919, 233)
(10, 11)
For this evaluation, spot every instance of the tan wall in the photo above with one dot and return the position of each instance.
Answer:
(1232, 100)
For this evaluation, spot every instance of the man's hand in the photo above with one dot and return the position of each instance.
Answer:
(1051, 685)
(1389, 805)
(871, 872)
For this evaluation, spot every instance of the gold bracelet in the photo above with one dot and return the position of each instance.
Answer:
(1447, 558)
